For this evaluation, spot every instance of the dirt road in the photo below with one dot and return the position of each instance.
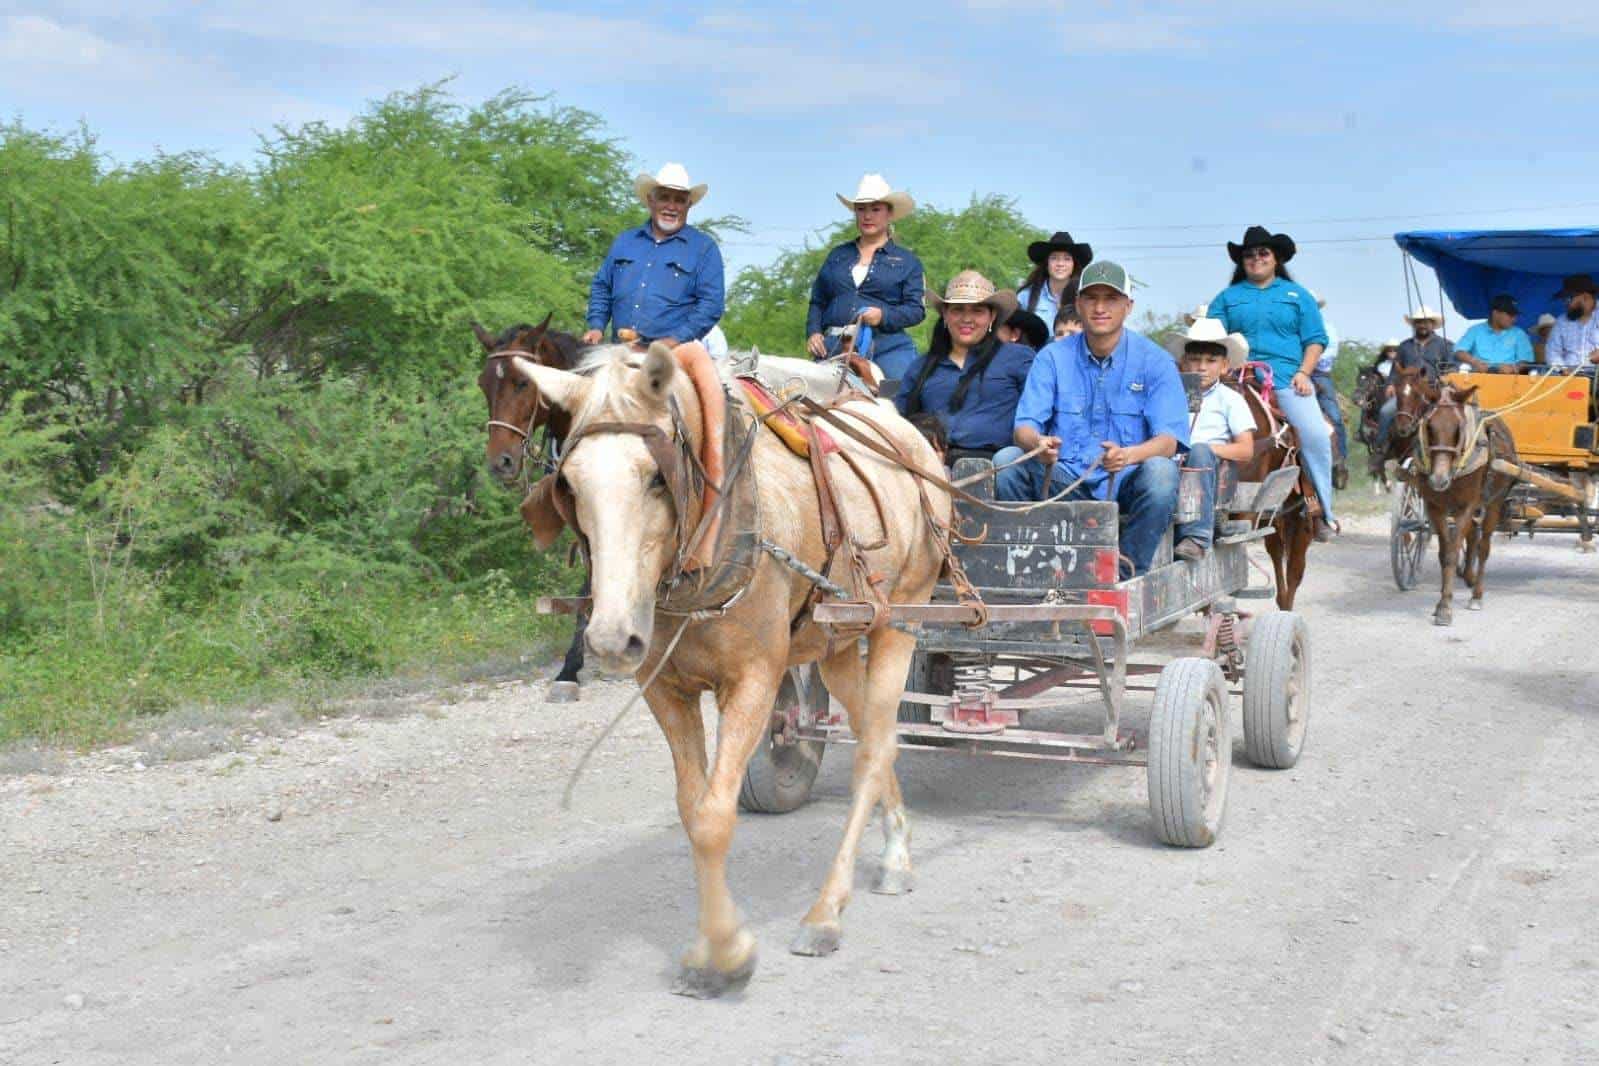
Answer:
(1424, 887)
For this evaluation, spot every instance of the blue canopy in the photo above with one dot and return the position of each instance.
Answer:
(1474, 266)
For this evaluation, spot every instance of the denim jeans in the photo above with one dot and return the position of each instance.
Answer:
(1315, 445)
(1202, 529)
(1327, 396)
(1146, 495)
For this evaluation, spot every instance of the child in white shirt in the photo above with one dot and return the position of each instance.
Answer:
(1223, 427)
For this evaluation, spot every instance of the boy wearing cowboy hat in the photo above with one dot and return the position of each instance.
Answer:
(1574, 340)
(663, 280)
(1222, 429)
(1108, 408)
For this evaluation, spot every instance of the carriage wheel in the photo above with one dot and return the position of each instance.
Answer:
(779, 776)
(930, 672)
(1408, 536)
(1190, 753)
(1277, 690)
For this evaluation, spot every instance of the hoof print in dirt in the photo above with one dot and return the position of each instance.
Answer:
(816, 940)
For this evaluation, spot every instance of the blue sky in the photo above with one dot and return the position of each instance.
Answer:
(1155, 131)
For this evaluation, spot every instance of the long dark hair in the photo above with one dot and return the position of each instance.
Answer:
(1282, 271)
(1038, 277)
(977, 359)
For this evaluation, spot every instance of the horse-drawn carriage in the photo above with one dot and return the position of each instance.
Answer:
(1549, 413)
(1013, 676)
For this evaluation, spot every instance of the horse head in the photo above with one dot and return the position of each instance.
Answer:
(1413, 394)
(516, 410)
(621, 484)
(1445, 428)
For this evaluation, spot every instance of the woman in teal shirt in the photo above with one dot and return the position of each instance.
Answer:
(1283, 325)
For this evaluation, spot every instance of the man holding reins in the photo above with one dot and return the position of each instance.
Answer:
(663, 280)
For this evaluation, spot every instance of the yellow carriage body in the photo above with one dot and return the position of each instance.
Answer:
(1550, 418)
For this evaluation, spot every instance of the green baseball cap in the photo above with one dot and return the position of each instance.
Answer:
(1104, 272)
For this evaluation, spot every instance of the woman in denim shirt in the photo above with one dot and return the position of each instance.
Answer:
(872, 280)
(969, 379)
(1283, 325)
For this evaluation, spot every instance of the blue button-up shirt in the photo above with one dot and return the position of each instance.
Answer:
(1571, 342)
(988, 409)
(1048, 305)
(1129, 398)
(1510, 346)
(660, 288)
(893, 283)
(1280, 321)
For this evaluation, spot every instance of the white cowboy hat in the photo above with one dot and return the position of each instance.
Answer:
(970, 287)
(873, 189)
(1211, 331)
(671, 176)
(1391, 342)
(1425, 312)
(1545, 321)
(1200, 311)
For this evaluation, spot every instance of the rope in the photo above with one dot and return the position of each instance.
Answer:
(610, 727)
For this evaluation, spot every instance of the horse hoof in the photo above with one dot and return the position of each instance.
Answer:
(1443, 618)
(562, 692)
(1474, 605)
(1585, 547)
(707, 982)
(816, 940)
(893, 882)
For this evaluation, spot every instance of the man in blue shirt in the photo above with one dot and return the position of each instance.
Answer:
(663, 280)
(1108, 406)
(1498, 344)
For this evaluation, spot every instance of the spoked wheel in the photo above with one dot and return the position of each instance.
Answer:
(1409, 535)
(1190, 753)
(1277, 690)
(782, 770)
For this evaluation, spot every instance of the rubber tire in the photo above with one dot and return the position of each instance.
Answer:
(1190, 706)
(930, 672)
(1276, 674)
(779, 778)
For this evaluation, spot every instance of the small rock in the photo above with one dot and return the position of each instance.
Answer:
(383, 1021)
(1449, 1008)
(73, 1001)
(1349, 919)
(138, 765)
(343, 910)
(1367, 1028)
(274, 813)
(889, 967)
(200, 862)
(1339, 1037)
(1130, 987)
(988, 950)
(968, 949)
(34, 890)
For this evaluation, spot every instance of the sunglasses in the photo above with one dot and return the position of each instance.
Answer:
(1257, 253)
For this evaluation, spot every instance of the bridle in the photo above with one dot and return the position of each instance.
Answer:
(1458, 452)
(528, 451)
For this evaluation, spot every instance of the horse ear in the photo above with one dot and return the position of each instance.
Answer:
(658, 369)
(559, 388)
(544, 326)
(484, 337)
(542, 513)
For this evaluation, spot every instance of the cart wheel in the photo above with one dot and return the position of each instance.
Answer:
(1190, 753)
(779, 776)
(930, 672)
(1409, 535)
(1277, 690)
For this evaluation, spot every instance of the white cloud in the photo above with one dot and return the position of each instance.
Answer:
(33, 40)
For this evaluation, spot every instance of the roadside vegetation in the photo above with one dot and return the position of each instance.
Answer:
(240, 438)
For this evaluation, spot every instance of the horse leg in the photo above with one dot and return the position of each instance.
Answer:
(1275, 547)
(1448, 554)
(723, 955)
(872, 699)
(1297, 549)
(1490, 522)
(564, 688)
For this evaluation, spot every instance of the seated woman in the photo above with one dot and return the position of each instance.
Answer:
(1223, 427)
(969, 378)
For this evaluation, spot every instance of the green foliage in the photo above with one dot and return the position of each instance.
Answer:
(767, 306)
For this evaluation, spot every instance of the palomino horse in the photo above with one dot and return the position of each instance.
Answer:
(1294, 527)
(1454, 448)
(511, 432)
(627, 486)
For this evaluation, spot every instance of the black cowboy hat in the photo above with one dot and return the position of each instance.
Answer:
(1575, 283)
(1033, 329)
(1082, 254)
(1281, 245)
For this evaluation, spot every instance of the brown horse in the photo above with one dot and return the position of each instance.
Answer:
(1294, 527)
(640, 488)
(515, 416)
(1454, 445)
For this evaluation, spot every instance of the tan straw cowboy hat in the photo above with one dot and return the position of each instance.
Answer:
(874, 189)
(1425, 312)
(970, 287)
(1211, 331)
(671, 176)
